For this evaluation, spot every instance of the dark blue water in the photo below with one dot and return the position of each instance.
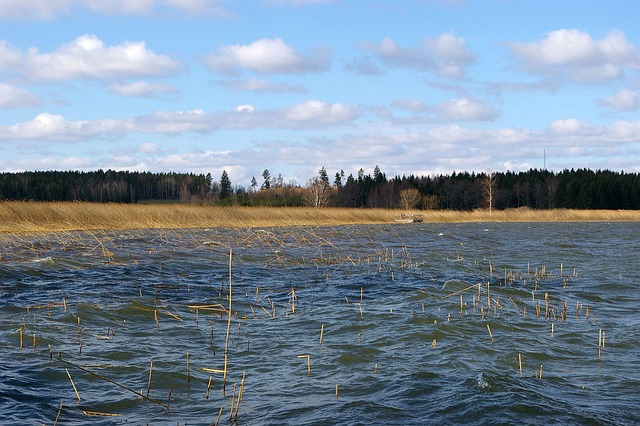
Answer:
(420, 324)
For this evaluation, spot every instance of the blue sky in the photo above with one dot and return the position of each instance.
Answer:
(418, 87)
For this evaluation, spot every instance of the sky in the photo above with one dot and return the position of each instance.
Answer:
(422, 87)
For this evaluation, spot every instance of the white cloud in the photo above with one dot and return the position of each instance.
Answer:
(87, 57)
(570, 126)
(33, 9)
(267, 56)
(118, 7)
(320, 113)
(10, 58)
(148, 148)
(259, 85)
(48, 126)
(307, 115)
(14, 97)
(141, 89)
(465, 109)
(625, 100)
(166, 122)
(245, 108)
(577, 56)
(445, 55)
(51, 9)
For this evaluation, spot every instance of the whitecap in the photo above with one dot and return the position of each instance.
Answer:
(47, 259)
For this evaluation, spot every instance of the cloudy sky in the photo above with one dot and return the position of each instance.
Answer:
(414, 86)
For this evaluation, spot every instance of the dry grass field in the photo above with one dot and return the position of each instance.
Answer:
(18, 217)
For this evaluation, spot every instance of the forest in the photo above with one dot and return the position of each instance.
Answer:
(536, 189)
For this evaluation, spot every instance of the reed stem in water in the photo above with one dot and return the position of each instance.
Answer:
(226, 345)
(73, 384)
(520, 363)
(150, 373)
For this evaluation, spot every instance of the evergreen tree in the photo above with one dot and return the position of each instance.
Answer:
(225, 186)
(266, 184)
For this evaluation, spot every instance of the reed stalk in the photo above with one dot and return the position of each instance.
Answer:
(73, 384)
(321, 333)
(520, 363)
(209, 386)
(149, 381)
(308, 357)
(226, 345)
(99, 414)
(240, 395)
(55, 422)
(139, 394)
(461, 291)
(233, 397)
(188, 369)
(218, 418)
(490, 334)
(336, 391)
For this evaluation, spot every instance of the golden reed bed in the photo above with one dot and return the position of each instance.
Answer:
(16, 217)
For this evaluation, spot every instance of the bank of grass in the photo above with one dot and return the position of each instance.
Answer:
(16, 217)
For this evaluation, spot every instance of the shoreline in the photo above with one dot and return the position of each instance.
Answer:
(33, 217)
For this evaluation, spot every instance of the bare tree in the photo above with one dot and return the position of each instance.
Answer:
(430, 202)
(409, 198)
(489, 189)
(318, 192)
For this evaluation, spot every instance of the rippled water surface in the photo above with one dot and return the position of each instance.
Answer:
(405, 324)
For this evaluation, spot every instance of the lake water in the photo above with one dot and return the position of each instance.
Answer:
(420, 324)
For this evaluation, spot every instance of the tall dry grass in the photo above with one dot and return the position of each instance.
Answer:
(16, 217)
(63, 216)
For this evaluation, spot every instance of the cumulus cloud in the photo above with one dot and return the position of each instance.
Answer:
(245, 108)
(10, 57)
(47, 126)
(465, 109)
(625, 100)
(141, 89)
(363, 65)
(577, 56)
(148, 148)
(259, 85)
(87, 57)
(445, 55)
(570, 126)
(460, 109)
(51, 9)
(319, 113)
(15, 97)
(268, 56)
(307, 115)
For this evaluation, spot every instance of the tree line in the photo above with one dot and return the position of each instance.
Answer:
(537, 189)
